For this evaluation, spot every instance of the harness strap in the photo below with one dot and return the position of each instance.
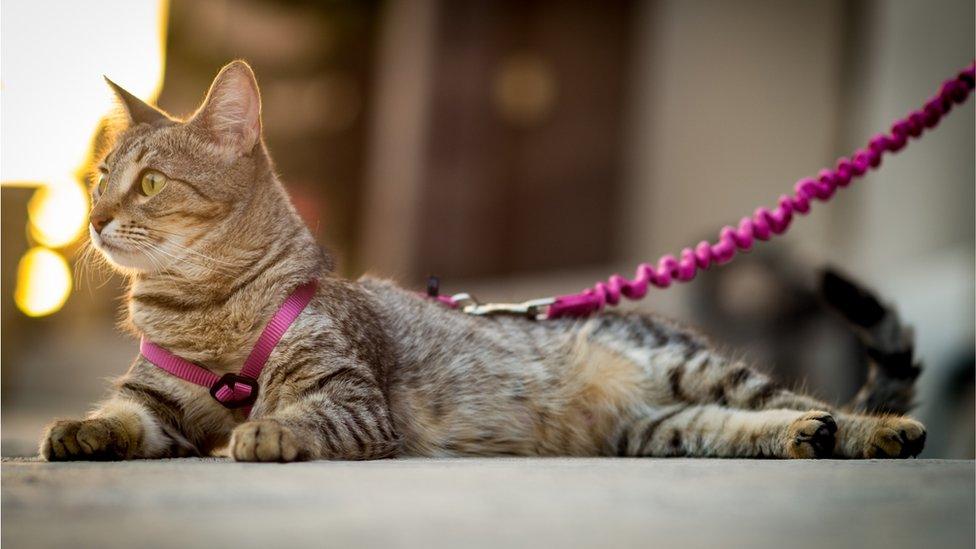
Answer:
(235, 390)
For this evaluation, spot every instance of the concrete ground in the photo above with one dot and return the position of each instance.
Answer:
(489, 502)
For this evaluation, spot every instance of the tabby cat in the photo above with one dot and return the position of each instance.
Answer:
(192, 212)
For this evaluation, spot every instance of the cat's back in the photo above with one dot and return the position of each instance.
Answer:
(426, 330)
(422, 327)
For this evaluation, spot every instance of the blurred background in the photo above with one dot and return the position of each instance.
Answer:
(519, 149)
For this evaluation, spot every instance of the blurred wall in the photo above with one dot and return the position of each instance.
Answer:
(732, 102)
(909, 229)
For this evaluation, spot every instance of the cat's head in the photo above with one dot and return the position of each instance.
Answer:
(170, 188)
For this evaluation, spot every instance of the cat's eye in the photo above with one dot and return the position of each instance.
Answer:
(102, 183)
(152, 182)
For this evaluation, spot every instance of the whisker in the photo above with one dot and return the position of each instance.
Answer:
(88, 261)
(190, 261)
(157, 263)
(77, 269)
(104, 281)
(147, 248)
(190, 250)
(204, 256)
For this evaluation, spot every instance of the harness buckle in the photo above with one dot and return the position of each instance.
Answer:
(534, 309)
(230, 381)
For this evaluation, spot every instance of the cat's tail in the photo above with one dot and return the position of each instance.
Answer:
(890, 346)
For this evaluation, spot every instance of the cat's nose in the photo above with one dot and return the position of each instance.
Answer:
(99, 221)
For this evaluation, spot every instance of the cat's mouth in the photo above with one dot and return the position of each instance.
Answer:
(104, 245)
(112, 248)
(122, 255)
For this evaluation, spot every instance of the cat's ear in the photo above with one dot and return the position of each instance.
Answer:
(231, 113)
(136, 110)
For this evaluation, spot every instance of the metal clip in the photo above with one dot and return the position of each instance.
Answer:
(534, 309)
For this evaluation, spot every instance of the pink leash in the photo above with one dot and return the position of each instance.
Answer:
(241, 389)
(762, 225)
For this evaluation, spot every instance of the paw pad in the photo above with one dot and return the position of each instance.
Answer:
(896, 437)
(812, 436)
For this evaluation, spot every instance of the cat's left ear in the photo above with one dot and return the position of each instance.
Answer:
(231, 113)
(136, 110)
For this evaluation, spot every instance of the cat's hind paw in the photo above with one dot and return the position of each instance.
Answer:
(264, 440)
(811, 436)
(895, 437)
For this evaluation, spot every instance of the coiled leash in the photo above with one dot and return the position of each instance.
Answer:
(762, 225)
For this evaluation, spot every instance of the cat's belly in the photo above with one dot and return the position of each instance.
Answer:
(570, 402)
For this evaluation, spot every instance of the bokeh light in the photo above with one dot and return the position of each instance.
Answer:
(58, 214)
(43, 282)
(524, 89)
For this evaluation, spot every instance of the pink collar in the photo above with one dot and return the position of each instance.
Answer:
(241, 389)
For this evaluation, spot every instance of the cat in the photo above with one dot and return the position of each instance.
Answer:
(193, 213)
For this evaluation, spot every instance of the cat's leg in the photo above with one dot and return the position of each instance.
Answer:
(340, 414)
(864, 435)
(701, 375)
(716, 431)
(141, 419)
(706, 377)
(120, 429)
(858, 435)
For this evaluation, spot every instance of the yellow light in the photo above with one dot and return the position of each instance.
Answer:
(43, 282)
(58, 214)
(524, 89)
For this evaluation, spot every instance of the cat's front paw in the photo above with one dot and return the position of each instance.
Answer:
(264, 440)
(895, 437)
(99, 439)
(811, 436)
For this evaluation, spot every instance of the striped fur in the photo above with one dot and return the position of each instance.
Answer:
(889, 345)
(370, 370)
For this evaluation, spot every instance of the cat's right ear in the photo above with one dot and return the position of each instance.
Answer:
(136, 110)
(231, 113)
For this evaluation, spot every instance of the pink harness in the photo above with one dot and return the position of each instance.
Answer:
(241, 389)
(762, 225)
